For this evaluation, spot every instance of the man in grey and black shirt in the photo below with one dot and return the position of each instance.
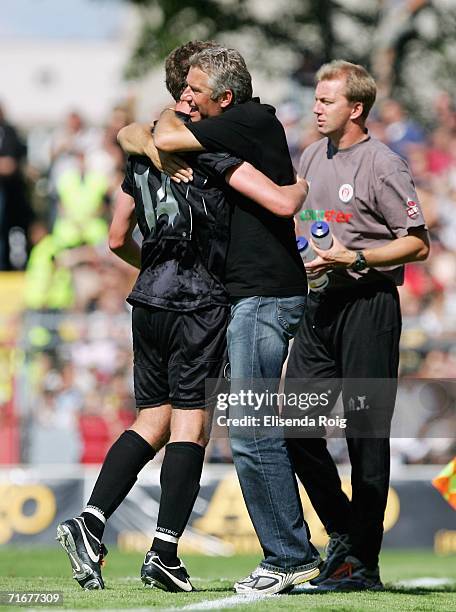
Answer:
(351, 329)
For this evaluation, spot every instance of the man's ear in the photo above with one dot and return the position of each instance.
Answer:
(358, 109)
(226, 98)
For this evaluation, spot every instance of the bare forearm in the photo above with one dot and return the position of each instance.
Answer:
(403, 250)
(283, 201)
(171, 135)
(295, 195)
(121, 241)
(129, 252)
(135, 138)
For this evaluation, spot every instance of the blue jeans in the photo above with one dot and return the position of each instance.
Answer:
(258, 337)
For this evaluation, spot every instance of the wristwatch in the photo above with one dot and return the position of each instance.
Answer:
(360, 262)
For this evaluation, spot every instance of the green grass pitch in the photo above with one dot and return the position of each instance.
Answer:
(35, 570)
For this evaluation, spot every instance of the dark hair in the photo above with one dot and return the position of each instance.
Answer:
(177, 65)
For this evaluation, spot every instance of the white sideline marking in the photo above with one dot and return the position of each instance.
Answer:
(425, 582)
(224, 602)
(303, 588)
(237, 600)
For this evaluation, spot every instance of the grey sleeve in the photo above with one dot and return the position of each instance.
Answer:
(304, 164)
(397, 201)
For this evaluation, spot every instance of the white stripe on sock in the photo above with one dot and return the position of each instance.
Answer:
(98, 513)
(167, 538)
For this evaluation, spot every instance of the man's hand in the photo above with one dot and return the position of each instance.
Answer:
(335, 257)
(173, 166)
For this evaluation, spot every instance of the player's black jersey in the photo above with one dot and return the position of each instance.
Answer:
(185, 228)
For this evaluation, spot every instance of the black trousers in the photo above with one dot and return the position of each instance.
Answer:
(350, 338)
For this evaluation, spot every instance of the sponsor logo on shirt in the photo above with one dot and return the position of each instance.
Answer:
(412, 209)
(345, 193)
(330, 216)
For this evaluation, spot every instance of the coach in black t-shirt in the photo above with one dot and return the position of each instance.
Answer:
(267, 286)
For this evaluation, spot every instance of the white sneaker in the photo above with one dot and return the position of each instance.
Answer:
(267, 581)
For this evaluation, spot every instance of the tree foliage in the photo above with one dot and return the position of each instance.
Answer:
(308, 33)
(303, 27)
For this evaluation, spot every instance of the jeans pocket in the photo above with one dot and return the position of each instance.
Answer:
(290, 311)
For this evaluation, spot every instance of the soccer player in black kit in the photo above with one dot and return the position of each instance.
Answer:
(180, 315)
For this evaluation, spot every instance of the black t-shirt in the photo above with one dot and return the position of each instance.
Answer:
(262, 256)
(186, 232)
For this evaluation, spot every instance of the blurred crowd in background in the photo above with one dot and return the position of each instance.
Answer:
(70, 394)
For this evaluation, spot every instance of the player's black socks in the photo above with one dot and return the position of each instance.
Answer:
(180, 483)
(125, 459)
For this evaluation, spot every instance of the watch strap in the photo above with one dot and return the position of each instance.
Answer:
(360, 262)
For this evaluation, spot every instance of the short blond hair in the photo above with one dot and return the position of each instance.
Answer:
(359, 84)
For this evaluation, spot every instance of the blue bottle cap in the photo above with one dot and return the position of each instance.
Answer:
(319, 229)
(301, 243)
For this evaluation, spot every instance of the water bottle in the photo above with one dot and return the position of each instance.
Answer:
(307, 255)
(321, 235)
(305, 250)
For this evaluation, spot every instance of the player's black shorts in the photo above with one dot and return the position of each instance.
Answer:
(174, 354)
